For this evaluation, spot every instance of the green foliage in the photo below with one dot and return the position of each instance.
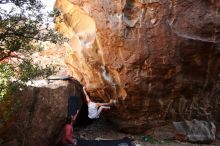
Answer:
(150, 139)
(6, 71)
(21, 32)
(11, 80)
(29, 70)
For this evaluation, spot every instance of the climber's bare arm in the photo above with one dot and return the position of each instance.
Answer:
(104, 104)
(87, 96)
(75, 116)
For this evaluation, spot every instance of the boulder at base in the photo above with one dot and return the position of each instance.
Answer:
(197, 131)
(42, 114)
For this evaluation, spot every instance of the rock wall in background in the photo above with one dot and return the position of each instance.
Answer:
(159, 58)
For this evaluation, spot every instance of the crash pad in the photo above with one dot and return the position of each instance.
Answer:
(120, 142)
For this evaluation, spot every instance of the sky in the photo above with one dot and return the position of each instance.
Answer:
(49, 4)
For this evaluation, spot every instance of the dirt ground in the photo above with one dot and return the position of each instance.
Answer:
(101, 129)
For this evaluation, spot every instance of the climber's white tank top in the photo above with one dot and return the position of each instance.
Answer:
(92, 110)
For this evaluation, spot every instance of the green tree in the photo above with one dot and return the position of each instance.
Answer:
(21, 31)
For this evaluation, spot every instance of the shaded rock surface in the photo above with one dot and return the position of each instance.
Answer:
(159, 58)
(218, 136)
(162, 136)
(197, 131)
(42, 114)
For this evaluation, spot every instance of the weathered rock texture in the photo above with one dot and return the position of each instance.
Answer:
(159, 58)
(41, 115)
(197, 131)
(36, 115)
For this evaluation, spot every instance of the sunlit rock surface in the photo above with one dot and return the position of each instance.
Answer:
(159, 58)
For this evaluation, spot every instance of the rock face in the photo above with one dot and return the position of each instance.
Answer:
(197, 131)
(38, 112)
(159, 58)
(42, 114)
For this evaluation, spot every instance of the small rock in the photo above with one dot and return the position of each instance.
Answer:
(153, 21)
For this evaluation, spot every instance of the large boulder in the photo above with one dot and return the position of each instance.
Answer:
(159, 59)
(36, 114)
(42, 113)
(197, 131)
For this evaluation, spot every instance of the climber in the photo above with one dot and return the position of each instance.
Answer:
(95, 109)
(68, 139)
